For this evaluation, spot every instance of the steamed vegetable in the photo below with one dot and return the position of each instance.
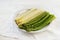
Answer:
(34, 19)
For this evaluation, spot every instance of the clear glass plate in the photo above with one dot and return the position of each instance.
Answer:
(19, 14)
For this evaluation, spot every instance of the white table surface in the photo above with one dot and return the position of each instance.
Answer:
(8, 30)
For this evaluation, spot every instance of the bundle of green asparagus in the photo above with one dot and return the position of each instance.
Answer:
(34, 19)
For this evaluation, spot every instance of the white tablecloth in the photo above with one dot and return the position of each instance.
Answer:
(8, 8)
